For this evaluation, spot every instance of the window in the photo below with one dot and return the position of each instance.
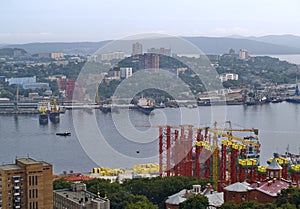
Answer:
(243, 197)
(233, 196)
(8, 179)
(36, 193)
(0, 179)
(37, 205)
(8, 185)
(36, 180)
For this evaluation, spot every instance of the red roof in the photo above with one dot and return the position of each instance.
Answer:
(78, 178)
(271, 187)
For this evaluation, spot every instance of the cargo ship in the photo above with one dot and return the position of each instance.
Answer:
(54, 113)
(43, 116)
(145, 105)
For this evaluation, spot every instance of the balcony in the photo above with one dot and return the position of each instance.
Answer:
(16, 187)
(18, 206)
(17, 194)
(17, 200)
(16, 179)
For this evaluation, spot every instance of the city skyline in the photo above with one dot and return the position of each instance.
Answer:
(68, 21)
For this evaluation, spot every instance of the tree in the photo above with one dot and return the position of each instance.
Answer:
(146, 204)
(61, 184)
(229, 205)
(290, 195)
(250, 205)
(195, 202)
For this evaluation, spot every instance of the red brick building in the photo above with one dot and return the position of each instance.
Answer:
(261, 192)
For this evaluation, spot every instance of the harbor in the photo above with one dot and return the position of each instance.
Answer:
(277, 124)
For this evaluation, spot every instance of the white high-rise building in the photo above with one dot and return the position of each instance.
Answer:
(126, 72)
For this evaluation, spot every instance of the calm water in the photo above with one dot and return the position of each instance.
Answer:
(292, 58)
(117, 142)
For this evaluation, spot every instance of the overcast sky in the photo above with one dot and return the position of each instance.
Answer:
(23, 21)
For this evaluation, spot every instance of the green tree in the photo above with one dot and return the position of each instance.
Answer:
(146, 204)
(250, 205)
(229, 205)
(287, 206)
(195, 202)
(61, 184)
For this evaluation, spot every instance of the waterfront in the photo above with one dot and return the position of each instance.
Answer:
(21, 135)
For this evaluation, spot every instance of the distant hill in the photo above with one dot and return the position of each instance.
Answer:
(221, 45)
(10, 52)
(284, 40)
(67, 48)
(210, 45)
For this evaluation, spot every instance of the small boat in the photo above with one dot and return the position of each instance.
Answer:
(145, 105)
(63, 134)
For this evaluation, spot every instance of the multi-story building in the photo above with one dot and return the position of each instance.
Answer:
(27, 184)
(163, 51)
(21, 80)
(243, 54)
(78, 198)
(228, 76)
(149, 61)
(126, 72)
(57, 55)
(137, 49)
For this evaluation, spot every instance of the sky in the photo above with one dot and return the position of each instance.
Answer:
(24, 21)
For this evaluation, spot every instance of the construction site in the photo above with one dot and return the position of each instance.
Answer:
(218, 153)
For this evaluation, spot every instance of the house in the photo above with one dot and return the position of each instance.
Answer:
(261, 192)
(215, 198)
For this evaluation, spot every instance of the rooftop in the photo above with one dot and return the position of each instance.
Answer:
(238, 187)
(30, 161)
(177, 198)
(79, 197)
(274, 165)
(271, 187)
(215, 198)
(9, 167)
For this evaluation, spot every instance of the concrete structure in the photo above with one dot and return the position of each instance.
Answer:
(21, 80)
(35, 86)
(78, 198)
(125, 72)
(215, 199)
(137, 49)
(163, 51)
(106, 56)
(57, 55)
(228, 76)
(243, 54)
(27, 184)
(149, 61)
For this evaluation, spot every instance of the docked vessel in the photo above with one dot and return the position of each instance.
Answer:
(54, 114)
(145, 105)
(43, 116)
(296, 97)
